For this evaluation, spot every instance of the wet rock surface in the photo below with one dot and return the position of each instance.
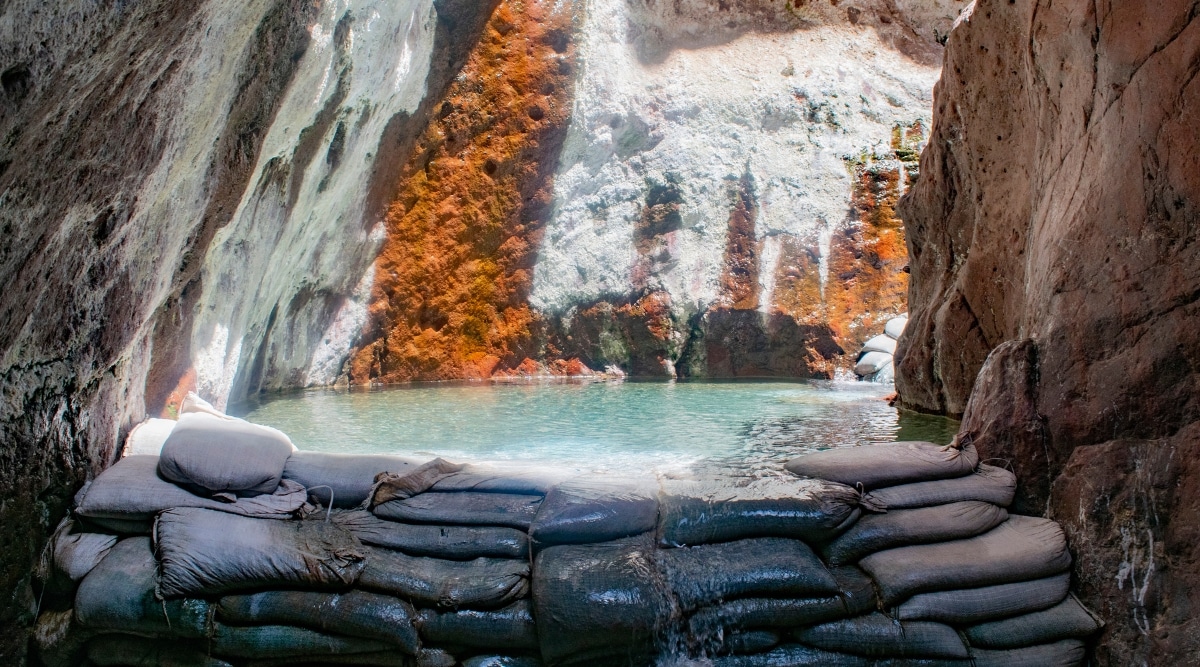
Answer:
(1055, 274)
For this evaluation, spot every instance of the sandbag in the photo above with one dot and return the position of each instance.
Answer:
(450, 542)
(976, 605)
(895, 326)
(857, 596)
(889, 464)
(148, 437)
(501, 661)
(872, 362)
(118, 596)
(76, 554)
(793, 655)
(212, 553)
(1020, 549)
(599, 600)
(708, 511)
(349, 476)
(213, 455)
(877, 636)
(58, 639)
(987, 484)
(283, 641)
(758, 567)
(520, 478)
(354, 614)
(583, 511)
(412, 482)
(468, 508)
(1065, 653)
(751, 641)
(424, 658)
(130, 493)
(881, 343)
(509, 628)
(1065, 620)
(483, 583)
(876, 532)
(127, 651)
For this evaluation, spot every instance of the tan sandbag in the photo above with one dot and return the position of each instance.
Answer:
(976, 605)
(876, 532)
(876, 466)
(988, 484)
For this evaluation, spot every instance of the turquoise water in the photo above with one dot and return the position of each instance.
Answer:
(603, 426)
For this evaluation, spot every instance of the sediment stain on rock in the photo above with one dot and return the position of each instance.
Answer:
(450, 298)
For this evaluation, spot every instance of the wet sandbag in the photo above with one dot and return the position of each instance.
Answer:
(599, 600)
(501, 661)
(520, 478)
(1065, 620)
(451, 542)
(1020, 549)
(212, 553)
(220, 455)
(988, 484)
(483, 583)
(77, 553)
(118, 595)
(127, 651)
(468, 508)
(131, 493)
(1065, 653)
(975, 605)
(876, 466)
(876, 532)
(354, 614)
(424, 658)
(707, 511)
(793, 655)
(877, 636)
(751, 641)
(758, 567)
(284, 641)
(509, 628)
(350, 476)
(583, 511)
(857, 596)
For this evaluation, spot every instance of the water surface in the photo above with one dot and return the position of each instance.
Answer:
(751, 427)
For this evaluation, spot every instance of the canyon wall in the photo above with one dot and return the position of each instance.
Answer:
(1056, 288)
(162, 223)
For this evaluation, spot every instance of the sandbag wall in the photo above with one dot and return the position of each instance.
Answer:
(896, 554)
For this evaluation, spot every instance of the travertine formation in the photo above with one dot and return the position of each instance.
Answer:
(1055, 287)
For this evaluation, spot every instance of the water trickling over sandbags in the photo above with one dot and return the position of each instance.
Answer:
(875, 555)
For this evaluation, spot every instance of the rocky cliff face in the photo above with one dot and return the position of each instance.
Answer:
(161, 213)
(1053, 233)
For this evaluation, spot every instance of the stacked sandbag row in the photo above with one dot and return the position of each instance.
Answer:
(876, 361)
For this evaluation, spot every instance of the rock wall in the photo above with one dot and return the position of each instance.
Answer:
(159, 177)
(1055, 283)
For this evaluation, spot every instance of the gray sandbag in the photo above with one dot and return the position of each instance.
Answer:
(220, 455)
(871, 362)
(127, 651)
(1065, 620)
(354, 614)
(75, 553)
(118, 596)
(599, 601)
(521, 478)
(131, 493)
(509, 628)
(857, 596)
(758, 567)
(1065, 653)
(707, 511)
(889, 464)
(881, 343)
(284, 641)
(483, 583)
(418, 480)
(1020, 549)
(350, 477)
(584, 510)
(976, 605)
(895, 326)
(501, 661)
(793, 655)
(212, 553)
(468, 508)
(896, 528)
(450, 542)
(877, 636)
(987, 484)
(750, 641)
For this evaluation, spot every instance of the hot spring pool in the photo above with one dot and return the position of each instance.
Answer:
(748, 427)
